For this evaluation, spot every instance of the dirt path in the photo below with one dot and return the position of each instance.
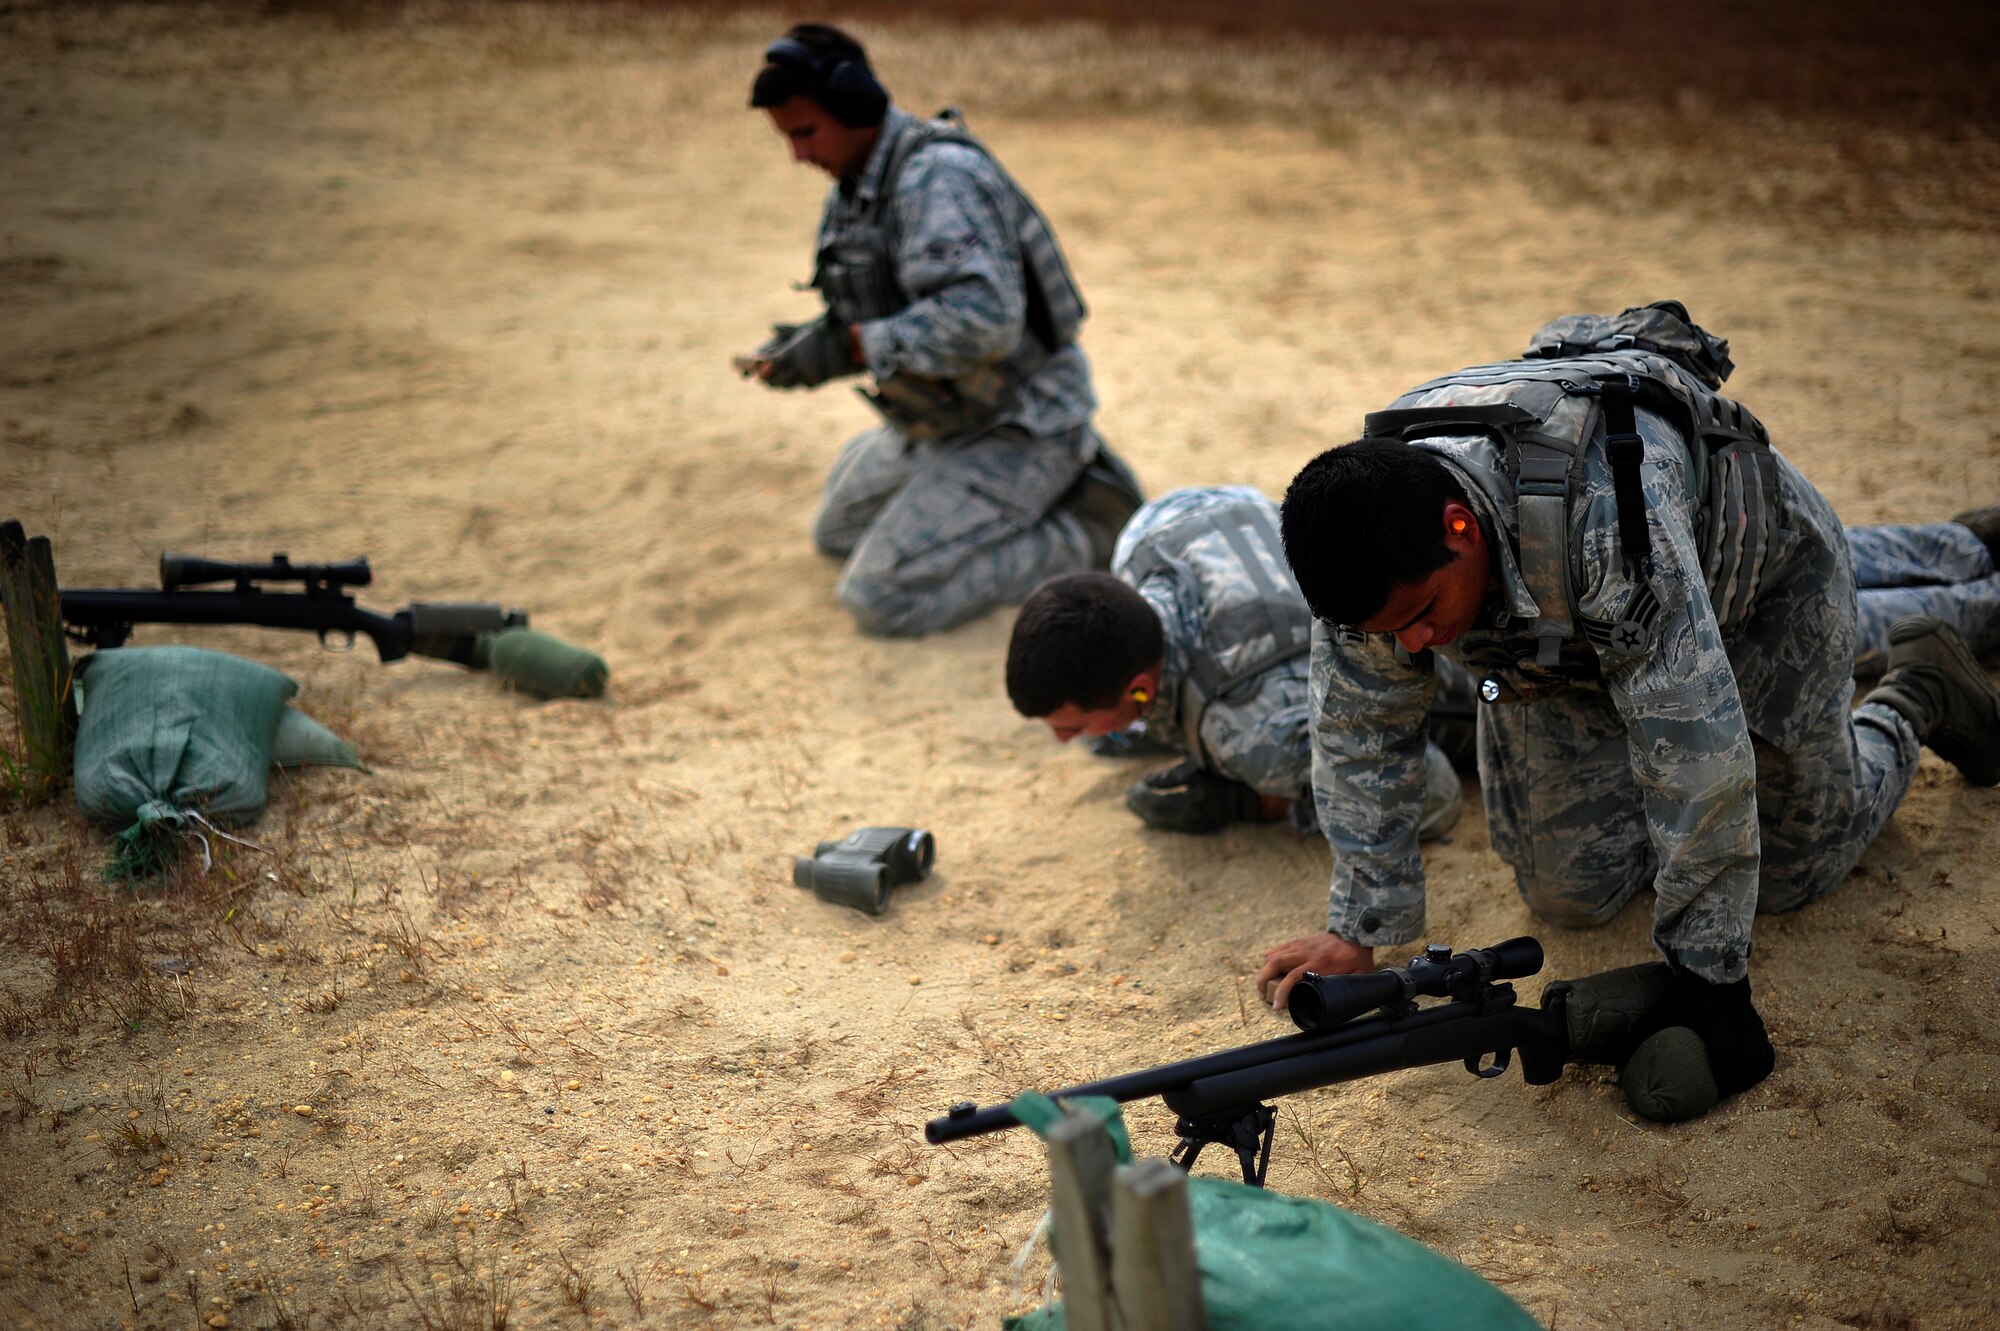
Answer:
(457, 287)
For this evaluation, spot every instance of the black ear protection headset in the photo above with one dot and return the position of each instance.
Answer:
(844, 86)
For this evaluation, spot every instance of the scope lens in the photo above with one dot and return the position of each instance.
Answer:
(1306, 1004)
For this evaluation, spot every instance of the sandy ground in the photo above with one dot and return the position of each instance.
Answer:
(532, 1016)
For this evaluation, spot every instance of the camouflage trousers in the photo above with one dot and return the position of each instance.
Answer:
(1937, 568)
(936, 535)
(1564, 811)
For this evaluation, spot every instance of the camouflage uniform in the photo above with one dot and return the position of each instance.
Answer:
(948, 509)
(1710, 755)
(1258, 732)
(1940, 569)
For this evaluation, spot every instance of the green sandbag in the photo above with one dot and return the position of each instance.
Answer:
(546, 667)
(303, 742)
(1270, 1262)
(170, 736)
(300, 741)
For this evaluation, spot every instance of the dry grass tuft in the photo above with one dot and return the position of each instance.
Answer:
(87, 949)
(452, 1295)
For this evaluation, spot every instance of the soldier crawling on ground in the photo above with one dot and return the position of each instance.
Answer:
(944, 283)
(1198, 640)
(1199, 632)
(1662, 614)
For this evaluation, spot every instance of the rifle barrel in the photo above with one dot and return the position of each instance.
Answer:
(1171, 1079)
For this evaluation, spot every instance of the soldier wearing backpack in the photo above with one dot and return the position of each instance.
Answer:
(945, 287)
(1200, 632)
(1660, 610)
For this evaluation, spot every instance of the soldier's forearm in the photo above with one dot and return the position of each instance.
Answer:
(1375, 917)
(1696, 767)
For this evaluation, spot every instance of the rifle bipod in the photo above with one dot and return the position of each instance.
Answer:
(1248, 1133)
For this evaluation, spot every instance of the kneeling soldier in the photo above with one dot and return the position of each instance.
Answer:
(944, 285)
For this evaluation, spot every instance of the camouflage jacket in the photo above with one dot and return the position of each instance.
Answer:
(1258, 732)
(935, 280)
(1689, 696)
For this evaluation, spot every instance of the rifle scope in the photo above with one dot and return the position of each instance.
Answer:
(194, 571)
(1321, 1002)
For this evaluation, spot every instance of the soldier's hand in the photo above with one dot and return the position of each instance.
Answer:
(1322, 954)
(806, 355)
(757, 364)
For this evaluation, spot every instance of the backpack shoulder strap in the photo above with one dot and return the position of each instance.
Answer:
(1545, 462)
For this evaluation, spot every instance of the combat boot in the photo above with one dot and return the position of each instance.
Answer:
(1985, 524)
(1103, 499)
(1937, 685)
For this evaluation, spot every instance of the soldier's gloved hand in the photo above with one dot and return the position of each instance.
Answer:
(1189, 798)
(1702, 1042)
(780, 334)
(806, 355)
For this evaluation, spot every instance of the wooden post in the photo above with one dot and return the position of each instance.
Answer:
(1123, 1236)
(1081, 1158)
(44, 705)
(1154, 1278)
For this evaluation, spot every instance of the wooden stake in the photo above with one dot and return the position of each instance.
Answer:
(1080, 1163)
(1155, 1280)
(44, 705)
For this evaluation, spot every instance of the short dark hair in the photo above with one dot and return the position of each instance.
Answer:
(1364, 518)
(1079, 640)
(781, 80)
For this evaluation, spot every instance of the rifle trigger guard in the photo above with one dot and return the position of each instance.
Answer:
(1502, 1059)
(345, 643)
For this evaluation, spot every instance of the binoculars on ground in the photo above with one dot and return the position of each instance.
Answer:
(860, 868)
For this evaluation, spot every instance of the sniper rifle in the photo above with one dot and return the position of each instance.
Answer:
(1350, 1026)
(446, 630)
